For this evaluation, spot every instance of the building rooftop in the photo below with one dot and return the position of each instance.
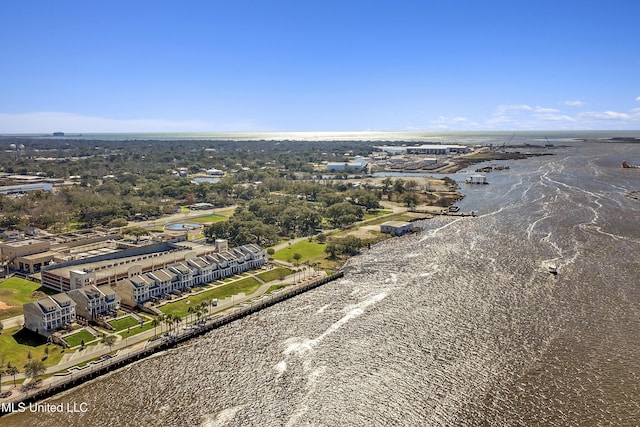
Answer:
(396, 223)
(25, 242)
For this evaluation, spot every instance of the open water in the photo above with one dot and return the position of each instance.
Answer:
(460, 324)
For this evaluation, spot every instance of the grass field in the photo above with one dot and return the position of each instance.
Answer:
(247, 286)
(274, 288)
(16, 344)
(124, 323)
(208, 218)
(77, 338)
(273, 274)
(376, 214)
(308, 251)
(136, 330)
(396, 217)
(14, 292)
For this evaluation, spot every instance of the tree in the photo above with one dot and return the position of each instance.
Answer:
(351, 245)
(155, 322)
(398, 186)
(2, 372)
(117, 222)
(387, 187)
(332, 250)
(410, 199)
(168, 319)
(365, 199)
(297, 257)
(109, 340)
(344, 213)
(136, 232)
(34, 369)
(12, 370)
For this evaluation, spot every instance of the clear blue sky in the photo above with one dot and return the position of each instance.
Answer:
(306, 65)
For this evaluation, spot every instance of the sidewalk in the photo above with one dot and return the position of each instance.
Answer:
(95, 351)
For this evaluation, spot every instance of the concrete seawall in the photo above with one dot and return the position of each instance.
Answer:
(96, 369)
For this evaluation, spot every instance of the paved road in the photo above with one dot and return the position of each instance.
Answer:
(179, 217)
(12, 322)
(139, 340)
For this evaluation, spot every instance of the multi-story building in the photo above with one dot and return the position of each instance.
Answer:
(47, 315)
(95, 301)
(193, 271)
(28, 255)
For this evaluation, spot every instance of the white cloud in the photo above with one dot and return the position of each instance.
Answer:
(576, 103)
(606, 115)
(546, 110)
(47, 122)
(638, 98)
(516, 107)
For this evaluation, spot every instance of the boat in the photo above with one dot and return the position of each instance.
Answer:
(553, 269)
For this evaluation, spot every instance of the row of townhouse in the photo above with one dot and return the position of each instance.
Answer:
(178, 276)
(143, 281)
(54, 312)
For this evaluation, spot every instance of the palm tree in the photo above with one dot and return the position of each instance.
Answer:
(160, 321)
(190, 311)
(176, 320)
(168, 318)
(2, 372)
(155, 323)
(12, 370)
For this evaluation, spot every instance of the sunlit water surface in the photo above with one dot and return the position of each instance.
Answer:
(460, 324)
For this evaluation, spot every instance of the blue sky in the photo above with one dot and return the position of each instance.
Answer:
(237, 65)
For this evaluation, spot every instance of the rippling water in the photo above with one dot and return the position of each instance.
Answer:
(458, 325)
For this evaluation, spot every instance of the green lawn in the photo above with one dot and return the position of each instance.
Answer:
(16, 344)
(14, 292)
(136, 330)
(376, 214)
(124, 323)
(247, 286)
(308, 250)
(396, 217)
(77, 338)
(208, 218)
(274, 288)
(273, 274)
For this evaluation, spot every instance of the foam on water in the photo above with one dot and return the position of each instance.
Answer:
(470, 329)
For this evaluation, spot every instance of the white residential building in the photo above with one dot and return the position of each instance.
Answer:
(47, 315)
(95, 301)
(142, 287)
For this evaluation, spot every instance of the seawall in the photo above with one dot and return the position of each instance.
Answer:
(96, 369)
